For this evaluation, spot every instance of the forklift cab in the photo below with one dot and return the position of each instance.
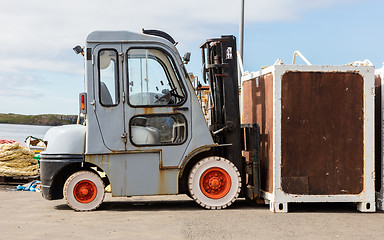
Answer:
(144, 131)
(139, 93)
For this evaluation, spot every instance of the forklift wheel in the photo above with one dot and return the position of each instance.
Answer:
(214, 183)
(84, 191)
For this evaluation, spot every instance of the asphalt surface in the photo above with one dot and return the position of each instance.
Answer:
(26, 215)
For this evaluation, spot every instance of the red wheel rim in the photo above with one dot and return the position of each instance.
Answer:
(85, 191)
(215, 183)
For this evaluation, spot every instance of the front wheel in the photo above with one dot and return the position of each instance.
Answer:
(84, 191)
(214, 183)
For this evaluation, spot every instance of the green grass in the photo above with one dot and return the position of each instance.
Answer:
(44, 119)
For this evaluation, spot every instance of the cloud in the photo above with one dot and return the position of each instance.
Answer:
(20, 63)
(47, 28)
(20, 93)
(42, 33)
(17, 80)
(53, 25)
(39, 35)
(20, 85)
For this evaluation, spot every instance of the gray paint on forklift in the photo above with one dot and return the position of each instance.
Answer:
(131, 169)
(137, 174)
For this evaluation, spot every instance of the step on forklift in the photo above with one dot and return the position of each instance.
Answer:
(144, 131)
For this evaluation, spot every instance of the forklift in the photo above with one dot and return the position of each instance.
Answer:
(144, 131)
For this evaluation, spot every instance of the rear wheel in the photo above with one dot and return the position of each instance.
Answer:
(84, 191)
(214, 183)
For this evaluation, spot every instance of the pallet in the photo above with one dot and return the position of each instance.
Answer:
(16, 180)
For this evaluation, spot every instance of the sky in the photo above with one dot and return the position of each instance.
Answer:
(40, 73)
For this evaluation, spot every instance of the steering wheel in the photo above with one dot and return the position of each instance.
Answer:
(165, 98)
(167, 94)
(173, 93)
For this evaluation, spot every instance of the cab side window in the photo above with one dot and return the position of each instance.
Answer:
(153, 80)
(108, 77)
(159, 129)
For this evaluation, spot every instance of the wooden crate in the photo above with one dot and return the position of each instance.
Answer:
(316, 133)
(379, 125)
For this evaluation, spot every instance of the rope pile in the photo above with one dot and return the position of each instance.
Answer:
(15, 160)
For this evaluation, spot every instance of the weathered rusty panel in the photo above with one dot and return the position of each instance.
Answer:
(249, 99)
(322, 132)
(378, 134)
(298, 185)
(258, 108)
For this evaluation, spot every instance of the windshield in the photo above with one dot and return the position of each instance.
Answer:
(153, 79)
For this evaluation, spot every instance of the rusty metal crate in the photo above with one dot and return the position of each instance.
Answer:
(316, 133)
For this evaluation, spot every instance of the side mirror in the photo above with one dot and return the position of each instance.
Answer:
(78, 50)
(187, 57)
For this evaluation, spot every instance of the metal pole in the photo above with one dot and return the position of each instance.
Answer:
(241, 37)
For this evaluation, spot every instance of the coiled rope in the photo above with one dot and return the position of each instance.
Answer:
(16, 160)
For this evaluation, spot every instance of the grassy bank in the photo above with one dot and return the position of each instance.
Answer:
(44, 119)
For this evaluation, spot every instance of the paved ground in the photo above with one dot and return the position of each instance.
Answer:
(26, 215)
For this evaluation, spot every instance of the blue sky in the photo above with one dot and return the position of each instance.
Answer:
(39, 73)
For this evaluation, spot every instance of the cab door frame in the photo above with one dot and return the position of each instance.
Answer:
(110, 117)
(171, 154)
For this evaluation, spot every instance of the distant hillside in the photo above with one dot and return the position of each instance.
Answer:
(45, 119)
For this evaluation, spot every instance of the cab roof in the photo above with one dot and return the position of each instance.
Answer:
(124, 36)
